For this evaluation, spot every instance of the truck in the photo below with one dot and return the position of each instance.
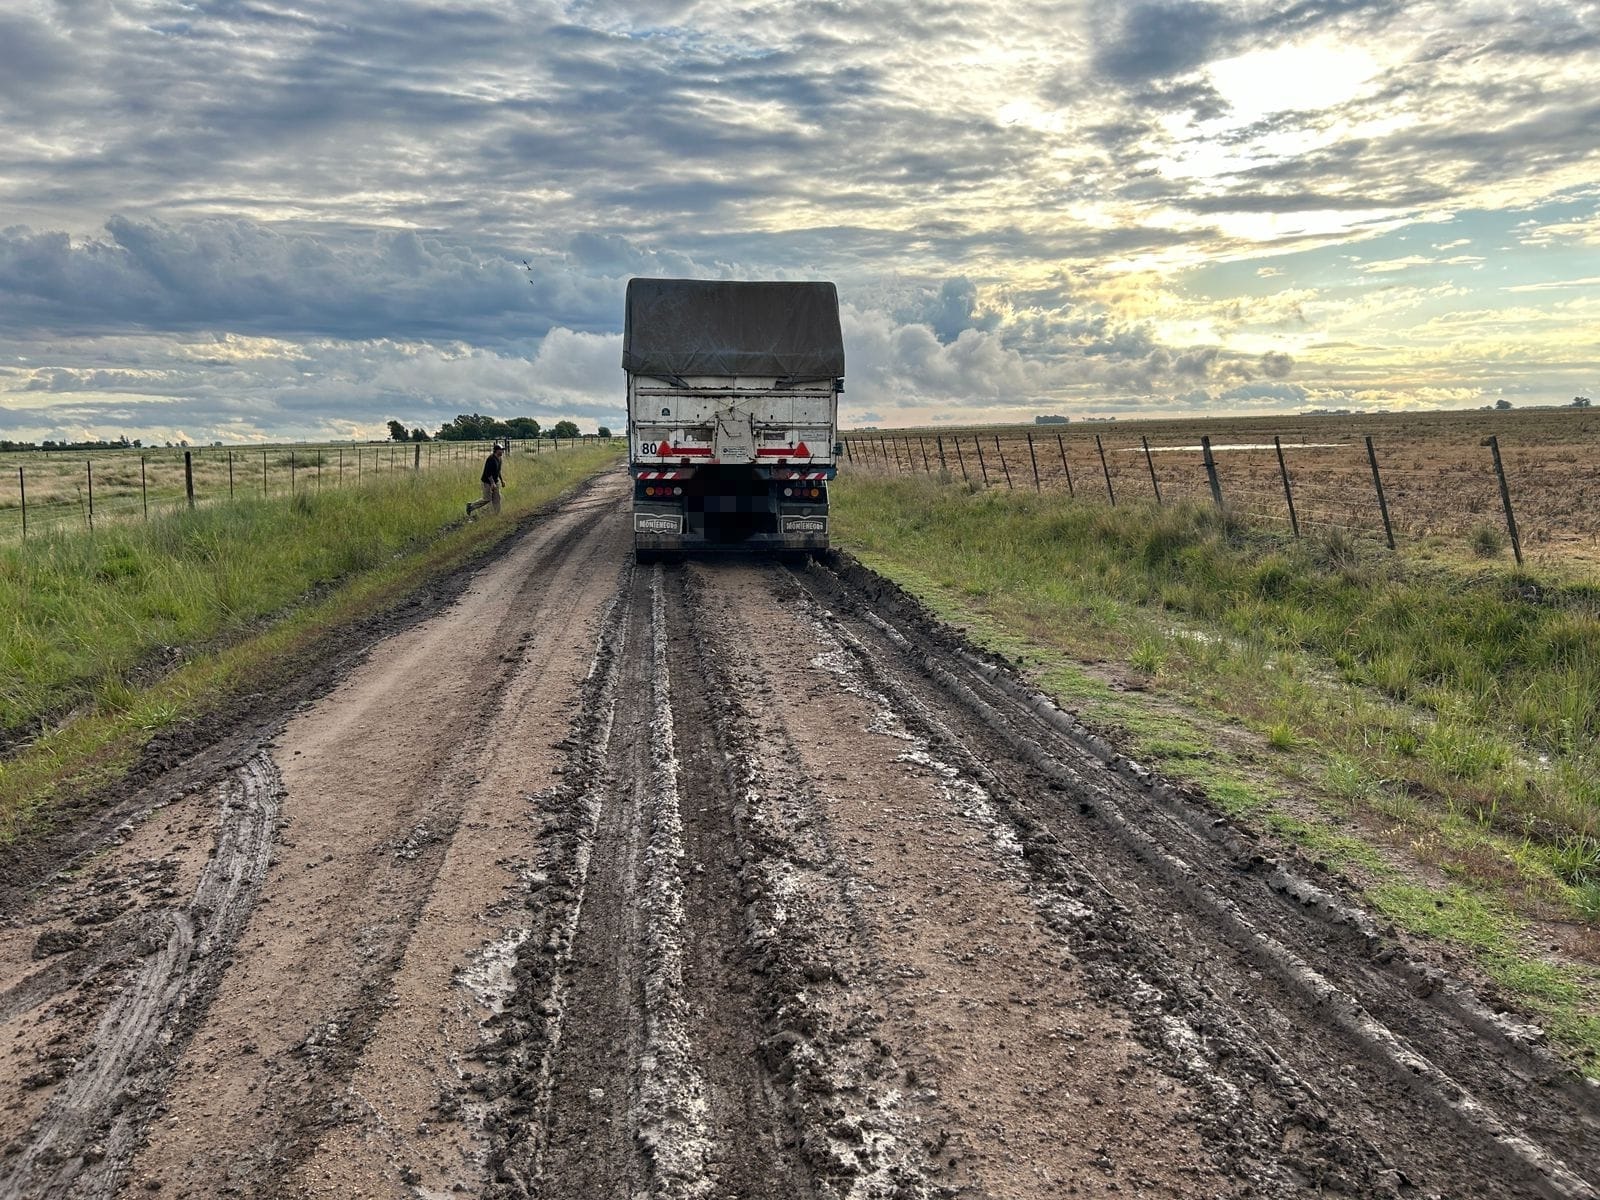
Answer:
(733, 411)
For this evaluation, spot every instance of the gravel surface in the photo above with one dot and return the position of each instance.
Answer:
(727, 878)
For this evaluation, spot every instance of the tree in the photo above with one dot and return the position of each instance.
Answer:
(564, 429)
(1502, 404)
(603, 431)
(398, 432)
(420, 435)
(1580, 402)
(465, 428)
(523, 427)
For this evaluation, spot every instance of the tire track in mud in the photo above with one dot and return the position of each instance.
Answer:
(83, 1142)
(634, 1051)
(1513, 1124)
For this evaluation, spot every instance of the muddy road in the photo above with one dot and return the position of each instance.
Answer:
(723, 879)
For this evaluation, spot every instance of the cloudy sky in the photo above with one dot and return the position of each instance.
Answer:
(253, 218)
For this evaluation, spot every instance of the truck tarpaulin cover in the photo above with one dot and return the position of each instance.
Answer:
(718, 327)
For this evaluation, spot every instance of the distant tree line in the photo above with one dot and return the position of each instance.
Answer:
(475, 427)
(121, 443)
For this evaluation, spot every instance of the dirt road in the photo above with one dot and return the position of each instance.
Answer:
(724, 879)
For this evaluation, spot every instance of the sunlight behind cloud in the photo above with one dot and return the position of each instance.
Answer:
(1311, 76)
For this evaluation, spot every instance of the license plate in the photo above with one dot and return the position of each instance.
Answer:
(805, 524)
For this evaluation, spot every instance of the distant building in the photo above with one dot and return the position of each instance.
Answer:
(1052, 419)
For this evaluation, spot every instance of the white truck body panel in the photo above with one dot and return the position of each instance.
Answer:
(786, 425)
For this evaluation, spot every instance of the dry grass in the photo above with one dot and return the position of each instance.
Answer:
(1438, 476)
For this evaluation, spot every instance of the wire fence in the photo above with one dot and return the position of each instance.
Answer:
(1530, 498)
(50, 491)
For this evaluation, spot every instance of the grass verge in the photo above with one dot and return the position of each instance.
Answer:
(1426, 729)
(114, 636)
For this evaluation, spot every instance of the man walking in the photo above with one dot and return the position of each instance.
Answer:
(492, 479)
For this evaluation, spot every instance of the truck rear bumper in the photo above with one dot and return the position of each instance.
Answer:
(659, 531)
(656, 543)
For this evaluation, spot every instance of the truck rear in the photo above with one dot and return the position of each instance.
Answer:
(733, 403)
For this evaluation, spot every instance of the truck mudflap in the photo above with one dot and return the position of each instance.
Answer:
(730, 508)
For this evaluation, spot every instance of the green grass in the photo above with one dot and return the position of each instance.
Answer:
(1427, 719)
(111, 636)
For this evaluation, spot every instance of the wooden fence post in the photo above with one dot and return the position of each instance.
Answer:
(1151, 463)
(962, 459)
(263, 472)
(1288, 495)
(291, 472)
(1505, 497)
(230, 475)
(982, 466)
(88, 466)
(1034, 459)
(1105, 467)
(1211, 470)
(1066, 470)
(1377, 483)
(22, 486)
(938, 439)
(144, 491)
(1001, 455)
(416, 458)
(926, 469)
(188, 477)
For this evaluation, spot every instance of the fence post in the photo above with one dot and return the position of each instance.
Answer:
(1211, 470)
(263, 473)
(1288, 496)
(1034, 459)
(318, 465)
(1151, 463)
(1072, 492)
(188, 477)
(884, 450)
(849, 455)
(416, 459)
(88, 466)
(230, 475)
(1505, 497)
(962, 459)
(1105, 467)
(22, 486)
(1001, 455)
(1377, 483)
(982, 466)
(926, 469)
(938, 441)
(144, 491)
